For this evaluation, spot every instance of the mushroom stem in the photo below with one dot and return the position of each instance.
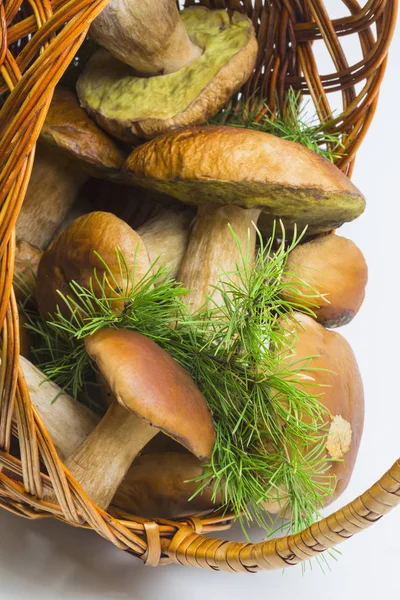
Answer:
(147, 35)
(102, 461)
(166, 237)
(213, 251)
(67, 421)
(53, 187)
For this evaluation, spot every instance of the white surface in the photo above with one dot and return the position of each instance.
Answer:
(49, 560)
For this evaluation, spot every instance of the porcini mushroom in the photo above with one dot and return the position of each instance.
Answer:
(149, 36)
(161, 485)
(142, 377)
(328, 274)
(71, 148)
(131, 107)
(72, 257)
(157, 480)
(232, 175)
(154, 394)
(329, 371)
(165, 236)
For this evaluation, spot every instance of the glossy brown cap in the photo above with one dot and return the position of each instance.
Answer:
(69, 127)
(328, 274)
(334, 376)
(147, 381)
(228, 165)
(72, 257)
(161, 485)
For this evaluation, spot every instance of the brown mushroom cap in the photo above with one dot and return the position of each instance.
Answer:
(159, 485)
(335, 268)
(333, 375)
(131, 107)
(71, 257)
(69, 128)
(147, 381)
(228, 165)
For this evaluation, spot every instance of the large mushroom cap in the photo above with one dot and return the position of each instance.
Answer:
(334, 268)
(68, 127)
(72, 257)
(150, 383)
(129, 106)
(332, 375)
(249, 168)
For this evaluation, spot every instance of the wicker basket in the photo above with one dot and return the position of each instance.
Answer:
(38, 39)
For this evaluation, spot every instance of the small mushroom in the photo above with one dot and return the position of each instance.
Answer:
(233, 175)
(72, 257)
(68, 128)
(130, 107)
(335, 269)
(147, 35)
(154, 394)
(157, 480)
(71, 148)
(165, 236)
(329, 371)
(161, 485)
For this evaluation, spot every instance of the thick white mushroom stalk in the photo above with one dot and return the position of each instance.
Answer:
(148, 35)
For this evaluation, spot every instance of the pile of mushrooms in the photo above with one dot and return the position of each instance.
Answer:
(157, 78)
(233, 175)
(209, 57)
(70, 149)
(152, 392)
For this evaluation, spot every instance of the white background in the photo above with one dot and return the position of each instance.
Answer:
(49, 560)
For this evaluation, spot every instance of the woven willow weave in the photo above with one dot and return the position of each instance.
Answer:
(38, 39)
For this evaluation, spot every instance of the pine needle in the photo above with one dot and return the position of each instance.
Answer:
(270, 433)
(293, 124)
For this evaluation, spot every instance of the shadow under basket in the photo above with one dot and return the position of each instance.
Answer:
(38, 40)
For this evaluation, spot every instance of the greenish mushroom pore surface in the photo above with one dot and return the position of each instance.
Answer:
(111, 90)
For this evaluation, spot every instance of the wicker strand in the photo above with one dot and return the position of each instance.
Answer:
(191, 549)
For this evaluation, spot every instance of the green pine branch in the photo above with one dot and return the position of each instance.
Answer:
(262, 441)
(293, 124)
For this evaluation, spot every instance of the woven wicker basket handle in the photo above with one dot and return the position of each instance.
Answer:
(192, 549)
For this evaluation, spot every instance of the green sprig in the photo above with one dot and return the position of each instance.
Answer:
(263, 441)
(293, 124)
